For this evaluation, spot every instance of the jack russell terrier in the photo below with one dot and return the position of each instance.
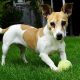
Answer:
(44, 40)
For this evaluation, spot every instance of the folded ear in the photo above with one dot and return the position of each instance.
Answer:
(67, 8)
(46, 10)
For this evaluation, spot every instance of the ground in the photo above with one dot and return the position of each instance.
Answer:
(15, 69)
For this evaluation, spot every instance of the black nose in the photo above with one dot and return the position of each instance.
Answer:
(59, 36)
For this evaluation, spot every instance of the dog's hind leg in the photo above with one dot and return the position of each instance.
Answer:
(22, 53)
(5, 48)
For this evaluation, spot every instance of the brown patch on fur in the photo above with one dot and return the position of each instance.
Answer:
(30, 36)
(40, 32)
(57, 16)
(24, 27)
(4, 30)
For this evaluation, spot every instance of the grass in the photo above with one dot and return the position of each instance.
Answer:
(15, 69)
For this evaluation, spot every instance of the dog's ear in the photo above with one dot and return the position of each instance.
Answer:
(67, 8)
(46, 10)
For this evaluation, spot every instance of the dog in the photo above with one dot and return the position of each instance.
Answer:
(44, 40)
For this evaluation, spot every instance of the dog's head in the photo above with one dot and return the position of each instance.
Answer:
(57, 21)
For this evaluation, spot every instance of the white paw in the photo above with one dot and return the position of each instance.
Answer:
(3, 63)
(25, 61)
(56, 69)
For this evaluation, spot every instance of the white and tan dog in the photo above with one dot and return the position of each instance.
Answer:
(44, 40)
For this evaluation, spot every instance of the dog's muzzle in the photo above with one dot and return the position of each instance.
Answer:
(59, 36)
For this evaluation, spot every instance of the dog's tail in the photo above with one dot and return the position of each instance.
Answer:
(2, 31)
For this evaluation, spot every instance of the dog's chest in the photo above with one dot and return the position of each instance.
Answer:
(47, 44)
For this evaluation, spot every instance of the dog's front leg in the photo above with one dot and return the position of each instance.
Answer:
(63, 55)
(62, 51)
(48, 61)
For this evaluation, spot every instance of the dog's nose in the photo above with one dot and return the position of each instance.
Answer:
(59, 36)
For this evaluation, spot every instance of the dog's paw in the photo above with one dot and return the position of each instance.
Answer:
(2, 63)
(25, 61)
(56, 69)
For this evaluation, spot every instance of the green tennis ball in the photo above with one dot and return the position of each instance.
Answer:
(64, 65)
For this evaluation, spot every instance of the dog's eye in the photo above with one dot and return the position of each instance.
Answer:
(63, 23)
(52, 24)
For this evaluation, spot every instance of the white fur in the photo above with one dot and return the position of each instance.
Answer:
(0, 30)
(45, 44)
(13, 35)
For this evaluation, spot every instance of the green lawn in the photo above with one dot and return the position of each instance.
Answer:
(15, 69)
